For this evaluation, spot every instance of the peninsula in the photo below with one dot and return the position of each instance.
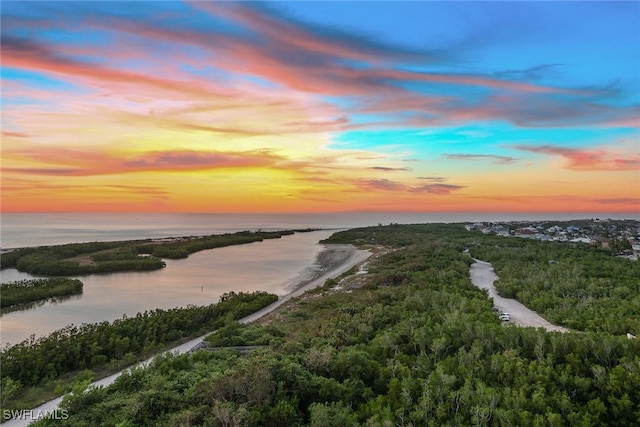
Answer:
(130, 255)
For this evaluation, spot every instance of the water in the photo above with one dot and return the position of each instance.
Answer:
(35, 229)
(270, 265)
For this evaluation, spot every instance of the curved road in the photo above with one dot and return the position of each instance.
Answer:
(483, 276)
(342, 258)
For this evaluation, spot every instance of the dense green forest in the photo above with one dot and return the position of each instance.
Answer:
(39, 363)
(410, 343)
(573, 285)
(131, 255)
(576, 285)
(26, 291)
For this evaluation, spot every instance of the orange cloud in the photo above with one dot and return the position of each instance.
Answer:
(14, 134)
(97, 163)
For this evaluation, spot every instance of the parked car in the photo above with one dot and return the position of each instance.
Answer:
(505, 317)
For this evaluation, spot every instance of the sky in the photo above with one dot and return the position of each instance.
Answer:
(202, 106)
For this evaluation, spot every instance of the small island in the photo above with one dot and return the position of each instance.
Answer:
(29, 291)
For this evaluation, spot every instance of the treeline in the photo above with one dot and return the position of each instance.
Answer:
(421, 350)
(579, 286)
(33, 362)
(43, 264)
(398, 235)
(26, 291)
(573, 285)
(182, 248)
(10, 259)
(134, 255)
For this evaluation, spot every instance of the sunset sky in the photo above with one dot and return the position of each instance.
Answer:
(320, 106)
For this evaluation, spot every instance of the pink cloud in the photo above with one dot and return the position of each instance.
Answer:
(32, 56)
(468, 80)
(296, 37)
(587, 160)
(379, 184)
(297, 59)
(279, 61)
(437, 189)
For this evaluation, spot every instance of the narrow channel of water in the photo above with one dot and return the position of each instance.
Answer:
(269, 266)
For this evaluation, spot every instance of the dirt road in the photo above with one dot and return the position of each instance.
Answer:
(483, 276)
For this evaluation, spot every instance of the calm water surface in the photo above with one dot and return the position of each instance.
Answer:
(269, 265)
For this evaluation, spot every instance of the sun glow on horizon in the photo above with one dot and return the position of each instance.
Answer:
(301, 107)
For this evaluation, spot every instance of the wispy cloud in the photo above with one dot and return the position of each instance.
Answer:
(95, 163)
(587, 160)
(481, 157)
(433, 178)
(379, 184)
(387, 169)
(531, 73)
(439, 189)
(29, 55)
(15, 134)
(620, 201)
(320, 60)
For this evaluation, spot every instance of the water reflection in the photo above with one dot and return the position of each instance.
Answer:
(200, 280)
(35, 304)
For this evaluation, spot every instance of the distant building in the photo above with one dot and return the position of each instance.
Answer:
(501, 230)
(603, 241)
(527, 232)
(581, 240)
(475, 226)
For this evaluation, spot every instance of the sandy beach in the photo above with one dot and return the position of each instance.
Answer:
(330, 263)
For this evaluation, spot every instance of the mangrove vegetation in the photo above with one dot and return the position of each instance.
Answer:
(22, 292)
(411, 342)
(131, 255)
(36, 365)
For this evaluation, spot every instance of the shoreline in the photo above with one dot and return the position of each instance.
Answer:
(355, 256)
(331, 262)
(199, 279)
